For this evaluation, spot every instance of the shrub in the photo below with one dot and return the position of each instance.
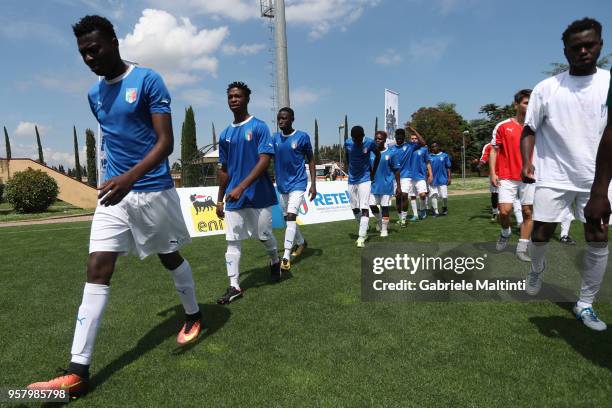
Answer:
(31, 191)
(1, 191)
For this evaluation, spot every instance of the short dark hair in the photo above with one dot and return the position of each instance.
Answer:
(288, 110)
(380, 132)
(435, 142)
(400, 131)
(89, 24)
(579, 26)
(523, 93)
(240, 85)
(357, 130)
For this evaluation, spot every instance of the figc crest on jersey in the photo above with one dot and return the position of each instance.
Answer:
(294, 145)
(131, 94)
(248, 136)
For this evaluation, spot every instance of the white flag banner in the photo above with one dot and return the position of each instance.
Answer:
(391, 115)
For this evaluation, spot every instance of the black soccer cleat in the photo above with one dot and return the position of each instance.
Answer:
(567, 240)
(230, 295)
(275, 272)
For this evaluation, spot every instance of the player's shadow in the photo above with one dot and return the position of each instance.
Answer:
(214, 318)
(592, 345)
(307, 253)
(258, 277)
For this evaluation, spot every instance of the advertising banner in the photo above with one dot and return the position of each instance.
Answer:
(391, 114)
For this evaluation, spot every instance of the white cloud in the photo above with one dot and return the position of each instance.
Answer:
(199, 97)
(303, 96)
(322, 15)
(428, 49)
(172, 46)
(245, 49)
(239, 10)
(389, 57)
(27, 129)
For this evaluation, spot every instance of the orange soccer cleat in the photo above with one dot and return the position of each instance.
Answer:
(189, 332)
(75, 385)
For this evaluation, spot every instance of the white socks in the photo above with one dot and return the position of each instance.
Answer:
(403, 215)
(538, 253)
(289, 238)
(183, 282)
(232, 262)
(565, 226)
(413, 203)
(363, 226)
(506, 232)
(271, 248)
(299, 238)
(384, 224)
(434, 203)
(522, 245)
(95, 298)
(595, 261)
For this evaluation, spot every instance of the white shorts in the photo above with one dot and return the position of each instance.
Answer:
(143, 223)
(380, 199)
(417, 187)
(440, 191)
(360, 195)
(510, 190)
(291, 202)
(557, 205)
(248, 222)
(405, 184)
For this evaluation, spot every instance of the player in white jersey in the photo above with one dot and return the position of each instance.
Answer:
(565, 119)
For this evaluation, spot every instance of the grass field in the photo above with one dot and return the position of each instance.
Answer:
(309, 341)
(58, 208)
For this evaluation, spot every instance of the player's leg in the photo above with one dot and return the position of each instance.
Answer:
(526, 193)
(594, 267)
(354, 201)
(406, 185)
(549, 207)
(508, 192)
(293, 202)
(236, 230)
(374, 200)
(517, 208)
(564, 236)
(434, 194)
(385, 202)
(494, 202)
(262, 220)
(443, 192)
(364, 200)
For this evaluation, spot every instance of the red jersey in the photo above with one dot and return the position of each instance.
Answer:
(507, 140)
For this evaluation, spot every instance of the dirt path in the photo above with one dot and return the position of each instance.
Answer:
(53, 220)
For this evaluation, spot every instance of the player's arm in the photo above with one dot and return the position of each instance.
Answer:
(398, 183)
(375, 164)
(429, 173)
(222, 179)
(527, 145)
(313, 175)
(418, 135)
(116, 188)
(492, 161)
(597, 210)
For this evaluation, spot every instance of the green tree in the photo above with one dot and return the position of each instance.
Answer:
(77, 162)
(316, 146)
(7, 143)
(90, 143)
(189, 150)
(559, 67)
(345, 127)
(376, 125)
(214, 134)
(41, 158)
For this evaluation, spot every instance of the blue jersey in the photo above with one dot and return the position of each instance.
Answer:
(359, 159)
(440, 163)
(418, 163)
(385, 173)
(403, 154)
(123, 107)
(239, 148)
(289, 161)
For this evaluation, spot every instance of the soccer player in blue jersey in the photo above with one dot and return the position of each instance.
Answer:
(292, 150)
(245, 188)
(441, 178)
(403, 151)
(139, 209)
(358, 149)
(387, 172)
(420, 169)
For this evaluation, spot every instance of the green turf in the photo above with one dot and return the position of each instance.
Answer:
(58, 208)
(309, 341)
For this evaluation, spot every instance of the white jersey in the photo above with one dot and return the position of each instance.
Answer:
(568, 115)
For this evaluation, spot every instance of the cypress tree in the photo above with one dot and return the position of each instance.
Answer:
(7, 143)
(189, 150)
(77, 163)
(345, 127)
(90, 143)
(214, 137)
(376, 125)
(41, 158)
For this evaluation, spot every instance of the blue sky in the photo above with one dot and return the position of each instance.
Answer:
(342, 55)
